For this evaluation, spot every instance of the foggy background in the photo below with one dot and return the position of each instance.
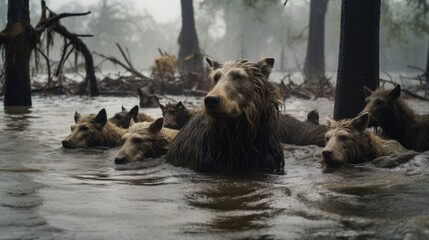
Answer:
(226, 30)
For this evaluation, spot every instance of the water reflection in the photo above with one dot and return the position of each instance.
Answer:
(17, 118)
(50, 192)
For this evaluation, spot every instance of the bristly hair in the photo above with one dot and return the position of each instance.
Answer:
(245, 144)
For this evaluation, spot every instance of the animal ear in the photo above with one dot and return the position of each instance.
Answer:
(396, 92)
(367, 91)
(156, 126)
(330, 122)
(161, 106)
(134, 111)
(360, 122)
(213, 63)
(180, 105)
(123, 108)
(76, 117)
(266, 65)
(101, 118)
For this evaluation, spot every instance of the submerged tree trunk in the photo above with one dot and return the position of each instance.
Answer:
(18, 48)
(358, 63)
(314, 66)
(190, 58)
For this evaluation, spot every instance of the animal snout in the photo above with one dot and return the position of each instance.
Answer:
(120, 160)
(66, 144)
(212, 102)
(327, 153)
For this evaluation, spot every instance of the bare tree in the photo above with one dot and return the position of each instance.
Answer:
(20, 39)
(190, 58)
(314, 66)
(359, 55)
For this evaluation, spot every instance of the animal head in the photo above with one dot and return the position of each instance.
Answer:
(175, 115)
(142, 141)
(86, 131)
(345, 141)
(122, 119)
(240, 88)
(380, 104)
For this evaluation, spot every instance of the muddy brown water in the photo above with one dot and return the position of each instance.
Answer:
(47, 192)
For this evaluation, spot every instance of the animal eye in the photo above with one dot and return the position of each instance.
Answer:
(137, 140)
(380, 103)
(83, 128)
(72, 128)
(216, 77)
(327, 139)
(342, 138)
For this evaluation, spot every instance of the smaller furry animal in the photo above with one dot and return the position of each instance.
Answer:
(293, 131)
(123, 118)
(388, 110)
(349, 141)
(145, 140)
(93, 130)
(176, 115)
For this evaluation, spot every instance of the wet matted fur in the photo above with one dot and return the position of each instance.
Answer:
(176, 115)
(293, 131)
(93, 130)
(389, 111)
(123, 118)
(349, 141)
(237, 130)
(145, 140)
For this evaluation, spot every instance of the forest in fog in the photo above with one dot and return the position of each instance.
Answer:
(236, 29)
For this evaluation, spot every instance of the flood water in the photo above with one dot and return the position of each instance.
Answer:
(47, 192)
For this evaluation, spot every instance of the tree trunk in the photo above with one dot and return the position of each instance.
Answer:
(358, 63)
(314, 66)
(190, 58)
(427, 70)
(18, 48)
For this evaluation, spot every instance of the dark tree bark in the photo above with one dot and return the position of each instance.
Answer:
(20, 39)
(190, 58)
(358, 63)
(427, 69)
(18, 48)
(314, 66)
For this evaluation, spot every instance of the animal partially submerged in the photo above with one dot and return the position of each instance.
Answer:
(237, 132)
(293, 131)
(349, 141)
(93, 130)
(123, 118)
(145, 140)
(176, 115)
(388, 110)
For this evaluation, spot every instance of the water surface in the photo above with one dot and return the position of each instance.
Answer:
(47, 192)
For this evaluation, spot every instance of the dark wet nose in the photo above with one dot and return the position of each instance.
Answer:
(211, 101)
(327, 154)
(66, 144)
(120, 160)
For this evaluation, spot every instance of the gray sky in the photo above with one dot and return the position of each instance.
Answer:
(162, 10)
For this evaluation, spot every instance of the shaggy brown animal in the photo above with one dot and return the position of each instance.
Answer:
(398, 121)
(145, 140)
(176, 115)
(293, 131)
(349, 141)
(122, 119)
(237, 130)
(164, 66)
(93, 130)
